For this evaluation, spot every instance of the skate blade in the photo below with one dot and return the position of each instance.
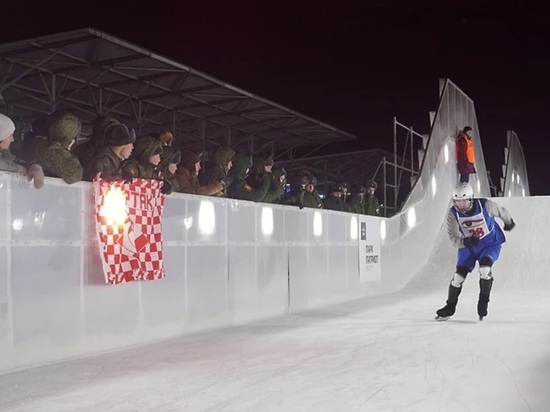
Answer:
(442, 318)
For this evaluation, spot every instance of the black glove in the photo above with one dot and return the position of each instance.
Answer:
(226, 181)
(166, 187)
(510, 226)
(127, 177)
(471, 241)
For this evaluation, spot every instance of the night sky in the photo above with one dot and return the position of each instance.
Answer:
(353, 67)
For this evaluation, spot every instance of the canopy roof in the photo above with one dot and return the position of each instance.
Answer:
(355, 168)
(90, 73)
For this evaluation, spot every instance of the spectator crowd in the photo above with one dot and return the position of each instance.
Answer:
(114, 152)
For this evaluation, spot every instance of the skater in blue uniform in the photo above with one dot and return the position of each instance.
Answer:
(472, 228)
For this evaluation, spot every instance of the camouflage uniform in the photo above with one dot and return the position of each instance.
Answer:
(310, 199)
(106, 162)
(87, 150)
(358, 203)
(138, 165)
(306, 198)
(239, 188)
(166, 157)
(276, 192)
(372, 207)
(334, 203)
(52, 152)
(217, 169)
(188, 181)
(257, 171)
(371, 201)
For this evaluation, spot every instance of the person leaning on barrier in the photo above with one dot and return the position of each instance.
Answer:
(53, 152)
(218, 169)
(87, 150)
(334, 201)
(276, 191)
(118, 146)
(10, 163)
(310, 197)
(358, 203)
(239, 188)
(144, 161)
(372, 207)
(261, 164)
(188, 176)
(169, 160)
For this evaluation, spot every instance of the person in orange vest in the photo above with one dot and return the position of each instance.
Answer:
(465, 155)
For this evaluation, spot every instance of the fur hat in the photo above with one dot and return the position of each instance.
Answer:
(100, 125)
(119, 135)
(467, 129)
(7, 127)
(167, 138)
(189, 159)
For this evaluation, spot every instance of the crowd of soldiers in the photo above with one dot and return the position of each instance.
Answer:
(114, 152)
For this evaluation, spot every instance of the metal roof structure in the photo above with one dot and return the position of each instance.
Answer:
(92, 73)
(355, 168)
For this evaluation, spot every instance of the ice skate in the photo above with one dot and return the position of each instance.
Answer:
(445, 312)
(449, 309)
(482, 304)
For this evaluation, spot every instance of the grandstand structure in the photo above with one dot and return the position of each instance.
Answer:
(92, 73)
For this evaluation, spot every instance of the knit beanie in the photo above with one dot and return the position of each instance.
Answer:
(7, 127)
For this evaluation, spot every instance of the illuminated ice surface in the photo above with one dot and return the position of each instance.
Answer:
(378, 354)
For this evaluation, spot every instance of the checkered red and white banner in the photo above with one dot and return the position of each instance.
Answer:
(129, 225)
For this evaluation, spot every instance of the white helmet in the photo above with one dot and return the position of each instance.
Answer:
(463, 191)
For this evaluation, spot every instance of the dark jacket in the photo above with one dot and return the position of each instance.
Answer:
(52, 152)
(239, 188)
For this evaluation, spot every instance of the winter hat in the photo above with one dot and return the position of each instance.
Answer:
(467, 129)
(100, 125)
(189, 159)
(372, 184)
(269, 161)
(119, 135)
(7, 127)
(167, 138)
(64, 126)
(145, 147)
